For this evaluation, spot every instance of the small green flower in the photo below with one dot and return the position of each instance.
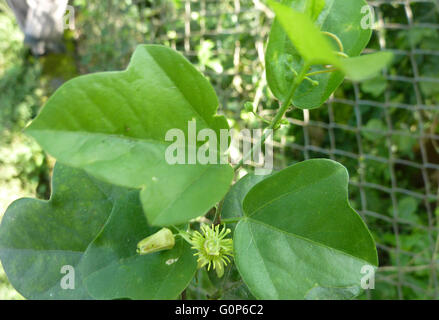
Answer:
(212, 249)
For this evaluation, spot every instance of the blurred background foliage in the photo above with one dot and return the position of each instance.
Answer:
(383, 130)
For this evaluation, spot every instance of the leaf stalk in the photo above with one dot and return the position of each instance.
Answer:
(279, 115)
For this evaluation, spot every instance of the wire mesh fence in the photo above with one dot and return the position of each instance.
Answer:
(379, 123)
(384, 130)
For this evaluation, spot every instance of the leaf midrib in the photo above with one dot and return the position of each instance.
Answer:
(255, 211)
(178, 196)
(290, 234)
(207, 123)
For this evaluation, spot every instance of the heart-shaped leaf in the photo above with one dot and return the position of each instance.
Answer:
(283, 59)
(299, 232)
(115, 270)
(38, 238)
(114, 126)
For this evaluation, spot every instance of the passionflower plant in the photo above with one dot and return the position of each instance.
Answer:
(213, 249)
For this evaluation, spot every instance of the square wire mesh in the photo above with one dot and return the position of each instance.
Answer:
(370, 141)
(384, 130)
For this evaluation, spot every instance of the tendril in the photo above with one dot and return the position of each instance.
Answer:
(337, 39)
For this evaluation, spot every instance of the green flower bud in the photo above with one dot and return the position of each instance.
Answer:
(161, 240)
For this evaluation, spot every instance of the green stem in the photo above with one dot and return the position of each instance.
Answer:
(185, 235)
(261, 118)
(281, 112)
(231, 220)
(216, 219)
(319, 72)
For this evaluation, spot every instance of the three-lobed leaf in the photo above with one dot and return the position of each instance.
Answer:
(299, 232)
(38, 238)
(92, 228)
(114, 269)
(114, 125)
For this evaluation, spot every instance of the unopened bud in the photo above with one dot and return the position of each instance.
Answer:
(161, 240)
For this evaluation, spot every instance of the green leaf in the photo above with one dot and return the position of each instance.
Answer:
(376, 130)
(232, 205)
(407, 208)
(314, 8)
(114, 270)
(375, 86)
(305, 36)
(38, 238)
(366, 66)
(299, 232)
(113, 125)
(342, 18)
(322, 293)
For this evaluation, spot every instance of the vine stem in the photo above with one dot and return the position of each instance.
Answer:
(231, 220)
(185, 235)
(320, 72)
(217, 218)
(279, 115)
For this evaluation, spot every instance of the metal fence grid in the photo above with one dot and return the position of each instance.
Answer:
(235, 33)
(239, 29)
(423, 114)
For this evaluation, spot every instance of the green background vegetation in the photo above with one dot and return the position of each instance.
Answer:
(384, 130)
